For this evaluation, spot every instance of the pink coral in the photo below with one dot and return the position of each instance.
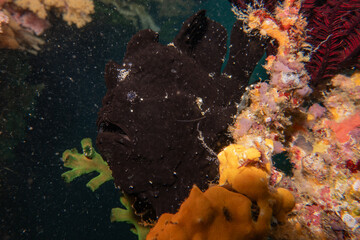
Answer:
(242, 126)
(287, 74)
(343, 128)
(316, 111)
(3, 19)
(32, 22)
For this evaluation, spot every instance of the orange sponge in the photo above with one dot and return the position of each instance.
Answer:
(218, 213)
(252, 180)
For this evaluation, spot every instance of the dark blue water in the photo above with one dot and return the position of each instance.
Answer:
(35, 202)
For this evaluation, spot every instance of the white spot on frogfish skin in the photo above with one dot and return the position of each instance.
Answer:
(171, 45)
(122, 74)
(199, 102)
(130, 96)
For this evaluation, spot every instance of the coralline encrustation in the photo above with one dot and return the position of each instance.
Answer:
(321, 136)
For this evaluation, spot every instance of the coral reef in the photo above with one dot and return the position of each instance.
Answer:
(73, 11)
(285, 25)
(22, 21)
(4, 19)
(14, 36)
(325, 155)
(266, 106)
(321, 138)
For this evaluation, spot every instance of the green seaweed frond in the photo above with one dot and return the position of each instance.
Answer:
(127, 215)
(88, 161)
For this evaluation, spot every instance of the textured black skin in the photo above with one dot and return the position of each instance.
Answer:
(151, 139)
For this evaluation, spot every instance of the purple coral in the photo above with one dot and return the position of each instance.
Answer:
(243, 125)
(317, 111)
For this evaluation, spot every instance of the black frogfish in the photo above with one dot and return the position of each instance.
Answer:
(167, 109)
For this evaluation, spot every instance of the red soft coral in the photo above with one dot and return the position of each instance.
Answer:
(335, 35)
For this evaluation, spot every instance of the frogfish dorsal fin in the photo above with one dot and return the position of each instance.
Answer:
(112, 70)
(204, 40)
(141, 40)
